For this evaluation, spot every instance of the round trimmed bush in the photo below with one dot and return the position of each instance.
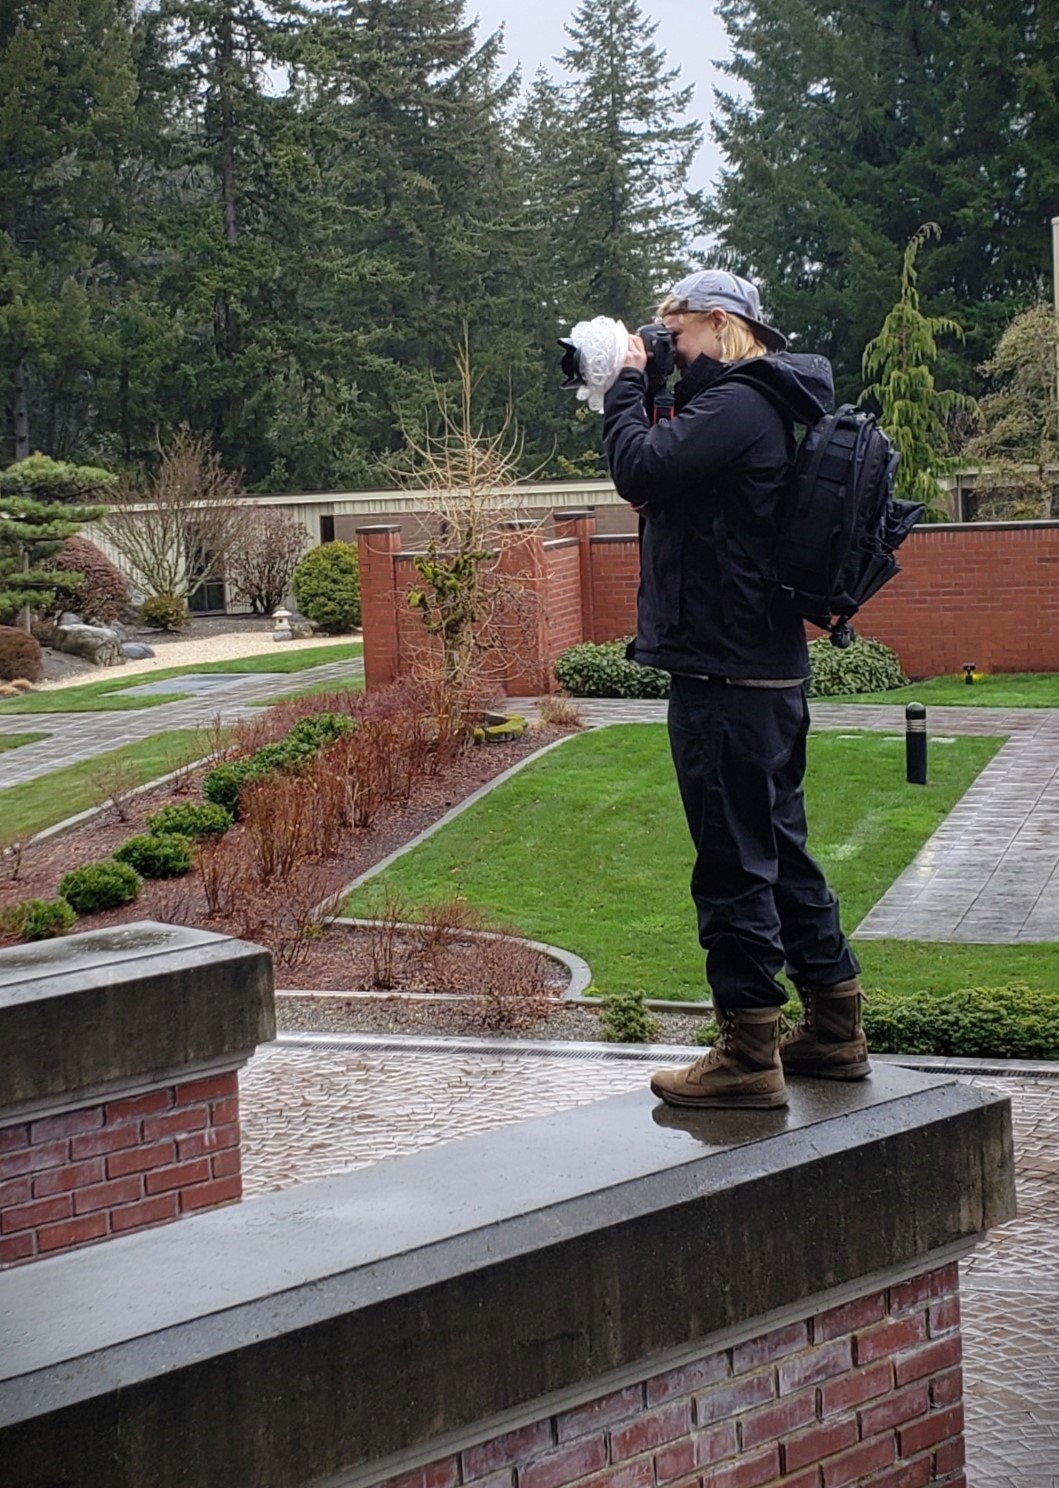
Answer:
(326, 587)
(601, 669)
(103, 592)
(157, 855)
(39, 919)
(189, 820)
(96, 886)
(864, 666)
(20, 655)
(164, 612)
(222, 785)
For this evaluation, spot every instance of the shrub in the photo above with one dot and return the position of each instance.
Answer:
(96, 886)
(103, 592)
(1008, 1022)
(222, 785)
(157, 854)
(20, 655)
(190, 820)
(320, 729)
(326, 586)
(601, 670)
(164, 612)
(626, 1020)
(39, 919)
(865, 666)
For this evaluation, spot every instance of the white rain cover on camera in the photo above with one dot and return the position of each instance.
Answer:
(602, 345)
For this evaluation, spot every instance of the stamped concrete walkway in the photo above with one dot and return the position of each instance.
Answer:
(73, 737)
(312, 1105)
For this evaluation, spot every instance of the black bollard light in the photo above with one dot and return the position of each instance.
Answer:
(916, 744)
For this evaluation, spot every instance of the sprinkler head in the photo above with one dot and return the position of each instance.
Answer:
(968, 672)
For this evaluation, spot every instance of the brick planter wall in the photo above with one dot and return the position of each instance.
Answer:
(118, 1165)
(976, 592)
(868, 1393)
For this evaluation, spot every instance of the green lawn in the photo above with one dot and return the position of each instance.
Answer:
(107, 694)
(997, 690)
(36, 804)
(587, 849)
(16, 741)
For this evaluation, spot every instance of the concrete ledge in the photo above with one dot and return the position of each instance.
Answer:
(124, 1008)
(341, 1324)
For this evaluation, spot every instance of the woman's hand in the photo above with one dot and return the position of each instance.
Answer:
(636, 356)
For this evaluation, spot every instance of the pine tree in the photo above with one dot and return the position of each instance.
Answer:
(607, 152)
(66, 91)
(850, 127)
(42, 502)
(915, 413)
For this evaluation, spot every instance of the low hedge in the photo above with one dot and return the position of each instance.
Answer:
(157, 854)
(864, 666)
(96, 886)
(38, 919)
(601, 669)
(189, 820)
(226, 781)
(1009, 1022)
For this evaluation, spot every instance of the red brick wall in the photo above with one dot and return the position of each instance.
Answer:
(563, 601)
(972, 593)
(120, 1165)
(615, 564)
(868, 1394)
(984, 594)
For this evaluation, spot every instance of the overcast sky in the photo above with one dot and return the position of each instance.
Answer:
(688, 31)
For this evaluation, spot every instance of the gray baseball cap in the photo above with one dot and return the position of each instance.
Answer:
(715, 289)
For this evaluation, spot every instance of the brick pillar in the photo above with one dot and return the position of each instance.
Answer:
(525, 629)
(581, 523)
(378, 603)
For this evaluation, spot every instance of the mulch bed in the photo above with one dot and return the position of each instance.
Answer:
(336, 959)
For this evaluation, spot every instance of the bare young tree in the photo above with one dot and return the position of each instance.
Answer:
(177, 529)
(263, 558)
(472, 607)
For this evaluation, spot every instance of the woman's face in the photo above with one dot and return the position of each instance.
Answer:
(696, 335)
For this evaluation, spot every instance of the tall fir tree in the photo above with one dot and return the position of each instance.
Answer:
(607, 153)
(849, 127)
(66, 92)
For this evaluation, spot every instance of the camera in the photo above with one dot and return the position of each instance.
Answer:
(658, 343)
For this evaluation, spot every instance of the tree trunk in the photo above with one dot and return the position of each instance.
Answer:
(20, 411)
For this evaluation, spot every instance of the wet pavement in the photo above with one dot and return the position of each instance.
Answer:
(318, 1104)
(79, 736)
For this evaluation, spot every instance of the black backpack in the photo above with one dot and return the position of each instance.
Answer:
(841, 524)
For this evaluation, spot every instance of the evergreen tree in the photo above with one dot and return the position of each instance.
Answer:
(915, 413)
(66, 91)
(852, 126)
(607, 151)
(42, 502)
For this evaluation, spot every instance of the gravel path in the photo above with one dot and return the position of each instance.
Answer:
(224, 647)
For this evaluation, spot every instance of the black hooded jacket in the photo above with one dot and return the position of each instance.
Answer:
(708, 484)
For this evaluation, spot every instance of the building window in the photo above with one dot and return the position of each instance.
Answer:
(327, 529)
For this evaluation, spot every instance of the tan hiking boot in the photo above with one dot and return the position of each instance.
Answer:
(741, 1070)
(829, 1042)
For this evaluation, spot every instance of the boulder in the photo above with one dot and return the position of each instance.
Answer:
(69, 618)
(300, 628)
(136, 651)
(93, 643)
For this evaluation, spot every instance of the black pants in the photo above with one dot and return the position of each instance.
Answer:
(763, 903)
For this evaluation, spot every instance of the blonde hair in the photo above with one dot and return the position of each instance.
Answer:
(738, 342)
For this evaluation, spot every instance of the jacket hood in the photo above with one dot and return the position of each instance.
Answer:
(798, 382)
